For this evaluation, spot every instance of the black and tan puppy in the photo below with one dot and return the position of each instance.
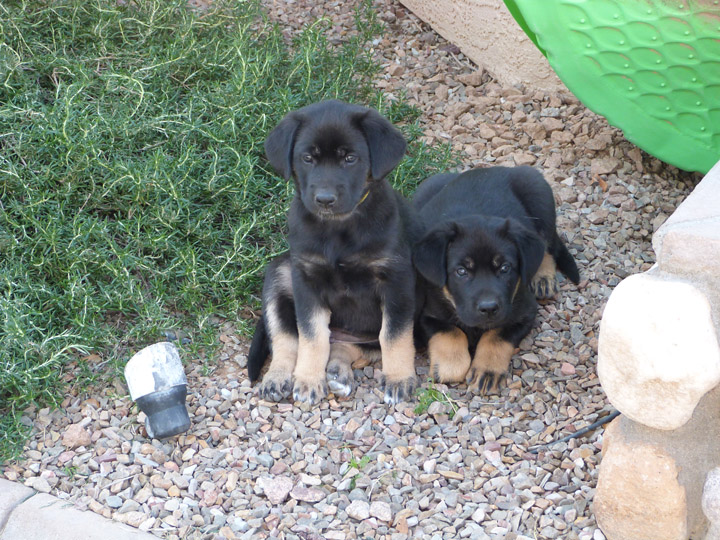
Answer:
(490, 248)
(349, 267)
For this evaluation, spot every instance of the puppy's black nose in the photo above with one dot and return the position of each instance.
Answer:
(489, 308)
(325, 199)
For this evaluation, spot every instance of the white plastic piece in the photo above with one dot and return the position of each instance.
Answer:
(153, 369)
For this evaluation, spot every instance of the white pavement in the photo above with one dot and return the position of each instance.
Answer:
(26, 514)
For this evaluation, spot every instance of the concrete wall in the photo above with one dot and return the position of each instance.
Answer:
(488, 35)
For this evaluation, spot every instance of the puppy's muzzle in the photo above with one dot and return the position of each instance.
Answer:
(325, 200)
(483, 312)
(487, 308)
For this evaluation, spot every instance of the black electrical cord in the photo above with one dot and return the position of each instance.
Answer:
(578, 433)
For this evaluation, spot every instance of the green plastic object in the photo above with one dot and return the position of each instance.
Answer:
(651, 67)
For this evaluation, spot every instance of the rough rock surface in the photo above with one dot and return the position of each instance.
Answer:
(658, 351)
(75, 435)
(638, 494)
(711, 503)
(692, 448)
(688, 243)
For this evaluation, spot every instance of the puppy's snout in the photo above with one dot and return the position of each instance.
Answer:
(325, 199)
(488, 308)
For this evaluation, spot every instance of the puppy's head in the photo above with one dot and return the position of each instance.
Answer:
(334, 151)
(479, 262)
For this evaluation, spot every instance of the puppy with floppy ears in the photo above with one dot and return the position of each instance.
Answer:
(490, 248)
(349, 270)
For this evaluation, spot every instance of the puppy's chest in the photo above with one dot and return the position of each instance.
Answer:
(350, 274)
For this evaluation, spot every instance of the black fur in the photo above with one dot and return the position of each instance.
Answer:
(487, 231)
(350, 233)
(260, 347)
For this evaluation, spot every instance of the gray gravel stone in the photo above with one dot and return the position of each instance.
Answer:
(113, 501)
(357, 494)
(426, 475)
(381, 510)
(276, 489)
(358, 510)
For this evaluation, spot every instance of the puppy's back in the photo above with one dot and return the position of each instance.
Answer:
(519, 192)
(430, 187)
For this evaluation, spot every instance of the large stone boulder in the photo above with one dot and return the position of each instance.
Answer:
(651, 481)
(658, 350)
(638, 495)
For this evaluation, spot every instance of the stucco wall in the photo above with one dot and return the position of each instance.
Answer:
(488, 35)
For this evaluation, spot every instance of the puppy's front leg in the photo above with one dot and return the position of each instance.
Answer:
(398, 363)
(449, 356)
(313, 353)
(396, 343)
(491, 362)
(279, 313)
(277, 382)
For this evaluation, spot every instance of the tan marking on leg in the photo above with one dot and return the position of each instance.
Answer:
(544, 282)
(314, 349)
(277, 382)
(547, 267)
(312, 359)
(284, 345)
(398, 354)
(284, 353)
(449, 356)
(398, 364)
(491, 362)
(371, 353)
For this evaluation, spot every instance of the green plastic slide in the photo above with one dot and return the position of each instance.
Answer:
(651, 67)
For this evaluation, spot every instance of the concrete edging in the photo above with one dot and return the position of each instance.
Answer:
(26, 514)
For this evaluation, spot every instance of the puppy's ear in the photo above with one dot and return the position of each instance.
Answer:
(531, 247)
(385, 142)
(430, 253)
(279, 144)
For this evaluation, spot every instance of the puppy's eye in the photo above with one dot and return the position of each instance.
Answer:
(461, 271)
(307, 158)
(505, 268)
(350, 158)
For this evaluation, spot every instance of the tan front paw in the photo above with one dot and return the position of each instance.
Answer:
(398, 390)
(483, 381)
(544, 283)
(490, 364)
(398, 366)
(449, 356)
(544, 287)
(276, 385)
(310, 391)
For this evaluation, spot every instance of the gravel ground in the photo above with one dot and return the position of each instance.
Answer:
(356, 468)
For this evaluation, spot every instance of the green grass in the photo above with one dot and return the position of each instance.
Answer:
(134, 195)
(359, 465)
(430, 394)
